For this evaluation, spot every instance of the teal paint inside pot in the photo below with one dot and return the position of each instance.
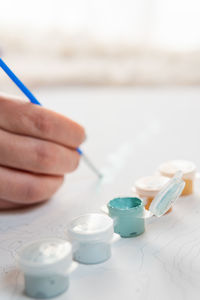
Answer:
(125, 203)
(126, 213)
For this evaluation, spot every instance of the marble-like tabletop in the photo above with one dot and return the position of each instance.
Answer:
(130, 131)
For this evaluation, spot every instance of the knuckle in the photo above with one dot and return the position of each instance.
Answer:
(31, 193)
(46, 156)
(74, 162)
(78, 135)
(42, 123)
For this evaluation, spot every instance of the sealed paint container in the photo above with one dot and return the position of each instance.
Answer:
(148, 187)
(129, 213)
(125, 211)
(46, 265)
(91, 236)
(188, 169)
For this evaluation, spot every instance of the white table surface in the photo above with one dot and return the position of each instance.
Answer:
(130, 132)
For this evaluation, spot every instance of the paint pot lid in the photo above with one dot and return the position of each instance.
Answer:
(168, 195)
(169, 168)
(149, 186)
(91, 227)
(46, 255)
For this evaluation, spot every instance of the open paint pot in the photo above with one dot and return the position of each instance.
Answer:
(129, 213)
(46, 265)
(148, 187)
(91, 236)
(125, 212)
(188, 169)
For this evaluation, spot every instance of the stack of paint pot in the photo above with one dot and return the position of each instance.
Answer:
(47, 264)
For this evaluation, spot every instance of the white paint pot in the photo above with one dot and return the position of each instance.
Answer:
(46, 265)
(91, 236)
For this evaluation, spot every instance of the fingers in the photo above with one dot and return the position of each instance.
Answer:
(4, 205)
(37, 147)
(24, 188)
(32, 120)
(35, 155)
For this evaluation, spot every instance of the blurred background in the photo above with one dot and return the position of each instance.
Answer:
(101, 42)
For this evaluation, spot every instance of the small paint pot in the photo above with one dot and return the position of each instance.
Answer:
(129, 213)
(126, 213)
(188, 169)
(91, 236)
(46, 265)
(148, 187)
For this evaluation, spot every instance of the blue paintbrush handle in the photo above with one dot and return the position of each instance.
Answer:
(18, 82)
(23, 88)
(33, 100)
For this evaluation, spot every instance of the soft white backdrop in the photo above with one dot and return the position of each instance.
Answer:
(103, 42)
(171, 23)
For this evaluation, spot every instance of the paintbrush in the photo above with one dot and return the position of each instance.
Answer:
(33, 100)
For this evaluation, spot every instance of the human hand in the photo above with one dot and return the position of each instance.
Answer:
(37, 147)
